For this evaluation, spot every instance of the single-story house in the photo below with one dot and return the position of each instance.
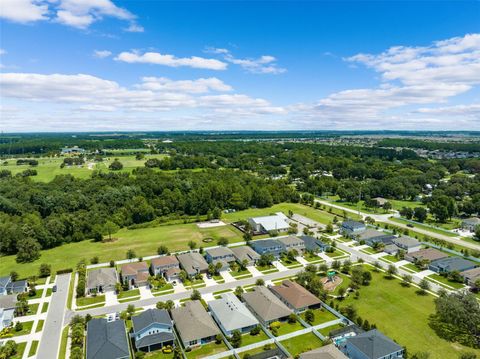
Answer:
(408, 244)
(163, 265)
(380, 201)
(135, 274)
(295, 296)
(329, 351)
(292, 242)
(451, 264)
(152, 330)
(194, 325)
(7, 309)
(426, 254)
(372, 345)
(277, 222)
(265, 305)
(242, 253)
(223, 255)
(391, 249)
(7, 286)
(470, 223)
(313, 244)
(471, 275)
(350, 227)
(101, 280)
(192, 263)
(107, 340)
(372, 236)
(268, 246)
(231, 314)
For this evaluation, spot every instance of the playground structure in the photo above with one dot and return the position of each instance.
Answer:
(331, 281)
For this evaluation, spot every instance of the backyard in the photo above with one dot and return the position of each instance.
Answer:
(302, 343)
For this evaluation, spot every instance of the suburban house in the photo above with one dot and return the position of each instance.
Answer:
(192, 263)
(469, 224)
(135, 274)
(339, 335)
(268, 246)
(329, 351)
(372, 345)
(166, 266)
(408, 244)
(451, 264)
(471, 275)
(222, 255)
(265, 305)
(243, 253)
(101, 280)
(277, 222)
(295, 296)
(372, 236)
(7, 309)
(350, 228)
(152, 330)
(292, 242)
(231, 314)
(107, 340)
(427, 255)
(380, 201)
(313, 244)
(72, 150)
(194, 325)
(7, 286)
(391, 249)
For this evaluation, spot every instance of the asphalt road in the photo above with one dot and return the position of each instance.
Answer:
(52, 330)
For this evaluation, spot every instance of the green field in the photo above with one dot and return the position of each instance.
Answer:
(49, 167)
(302, 343)
(399, 204)
(402, 315)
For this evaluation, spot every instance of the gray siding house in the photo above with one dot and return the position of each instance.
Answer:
(192, 263)
(152, 330)
(106, 340)
(268, 246)
(451, 264)
(265, 305)
(372, 345)
(242, 253)
(101, 280)
(292, 242)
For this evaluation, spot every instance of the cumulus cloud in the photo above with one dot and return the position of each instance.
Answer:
(75, 13)
(201, 85)
(101, 54)
(265, 64)
(157, 58)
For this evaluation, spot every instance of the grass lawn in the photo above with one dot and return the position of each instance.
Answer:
(267, 269)
(196, 283)
(49, 292)
(402, 315)
(399, 204)
(287, 327)
(45, 307)
(368, 250)
(33, 348)
(241, 273)
(219, 279)
(83, 301)
(143, 241)
(336, 253)
(20, 350)
(27, 328)
(128, 294)
(411, 267)
(445, 282)
(33, 309)
(257, 350)
(312, 258)
(39, 326)
(389, 258)
(206, 350)
(63, 343)
(321, 316)
(424, 227)
(38, 294)
(355, 206)
(290, 264)
(326, 331)
(158, 354)
(222, 291)
(302, 343)
(248, 339)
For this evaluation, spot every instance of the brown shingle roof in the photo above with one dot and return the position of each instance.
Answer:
(133, 268)
(430, 254)
(295, 295)
(164, 261)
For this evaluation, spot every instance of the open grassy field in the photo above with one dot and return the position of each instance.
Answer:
(49, 167)
(402, 315)
(399, 204)
(427, 228)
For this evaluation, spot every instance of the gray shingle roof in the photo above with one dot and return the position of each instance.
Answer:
(453, 264)
(219, 252)
(150, 316)
(327, 352)
(245, 252)
(107, 340)
(374, 344)
(265, 304)
(153, 339)
(192, 261)
(102, 277)
(231, 313)
(193, 322)
(267, 243)
(8, 301)
(405, 241)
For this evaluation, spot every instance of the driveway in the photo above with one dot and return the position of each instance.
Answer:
(52, 329)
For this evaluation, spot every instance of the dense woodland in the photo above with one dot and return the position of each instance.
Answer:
(228, 174)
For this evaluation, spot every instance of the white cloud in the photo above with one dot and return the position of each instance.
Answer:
(170, 60)
(265, 64)
(101, 54)
(75, 13)
(23, 11)
(201, 85)
(2, 52)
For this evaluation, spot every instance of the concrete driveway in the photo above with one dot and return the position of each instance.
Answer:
(52, 330)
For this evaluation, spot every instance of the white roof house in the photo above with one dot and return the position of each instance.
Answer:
(276, 222)
(231, 314)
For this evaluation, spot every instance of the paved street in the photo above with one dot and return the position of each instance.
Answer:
(50, 342)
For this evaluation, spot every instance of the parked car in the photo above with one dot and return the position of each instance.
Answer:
(54, 288)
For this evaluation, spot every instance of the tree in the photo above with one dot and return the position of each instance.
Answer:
(260, 282)
(476, 235)
(116, 165)
(192, 245)
(406, 280)
(376, 266)
(424, 286)
(236, 339)
(420, 214)
(329, 228)
(44, 270)
(28, 250)
(387, 206)
(406, 212)
(195, 295)
(131, 254)
(18, 326)
(266, 260)
(292, 318)
(94, 260)
(110, 228)
(468, 355)
(169, 305)
(130, 310)
(391, 271)
(238, 291)
(13, 276)
(341, 292)
(310, 316)
(222, 242)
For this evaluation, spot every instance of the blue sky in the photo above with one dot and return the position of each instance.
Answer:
(76, 65)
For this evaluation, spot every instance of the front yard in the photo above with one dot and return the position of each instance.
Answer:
(241, 273)
(312, 258)
(84, 301)
(129, 294)
(267, 269)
